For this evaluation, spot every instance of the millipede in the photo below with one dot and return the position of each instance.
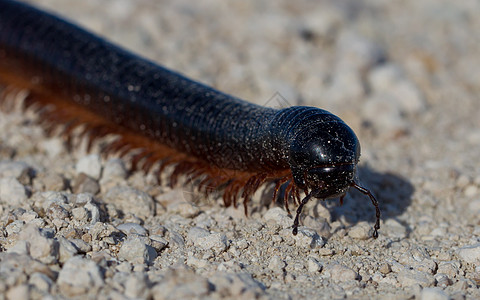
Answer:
(76, 79)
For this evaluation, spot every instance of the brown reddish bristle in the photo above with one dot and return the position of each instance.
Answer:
(61, 116)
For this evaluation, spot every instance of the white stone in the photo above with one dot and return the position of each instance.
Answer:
(339, 273)
(358, 52)
(92, 208)
(218, 242)
(90, 165)
(470, 254)
(313, 265)
(360, 231)
(14, 227)
(20, 247)
(81, 245)
(385, 113)
(184, 208)
(276, 264)
(129, 228)
(130, 200)
(236, 285)
(41, 281)
(52, 146)
(394, 229)
(305, 237)
(12, 192)
(21, 291)
(195, 233)
(181, 284)
(135, 250)
(389, 79)
(136, 286)
(114, 168)
(407, 278)
(79, 276)
(158, 242)
(67, 249)
(15, 169)
(40, 247)
(433, 293)
(79, 213)
(279, 215)
(196, 262)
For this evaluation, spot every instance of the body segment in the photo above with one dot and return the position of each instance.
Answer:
(90, 82)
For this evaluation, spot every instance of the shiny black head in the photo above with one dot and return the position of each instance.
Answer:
(323, 156)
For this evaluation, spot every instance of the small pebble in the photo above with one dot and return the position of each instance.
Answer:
(460, 286)
(360, 231)
(79, 275)
(114, 168)
(385, 269)
(130, 200)
(135, 250)
(90, 165)
(184, 209)
(395, 229)
(85, 184)
(339, 273)
(276, 264)
(410, 278)
(470, 191)
(205, 240)
(196, 233)
(470, 254)
(325, 252)
(81, 245)
(385, 114)
(21, 291)
(20, 247)
(433, 293)
(40, 247)
(79, 213)
(320, 225)
(134, 228)
(67, 249)
(136, 286)
(158, 242)
(279, 215)
(474, 206)
(196, 262)
(92, 208)
(313, 265)
(305, 237)
(237, 285)
(16, 169)
(449, 268)
(442, 280)
(12, 192)
(462, 181)
(48, 181)
(52, 146)
(181, 284)
(41, 282)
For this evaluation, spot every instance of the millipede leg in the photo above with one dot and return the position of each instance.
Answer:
(299, 211)
(375, 203)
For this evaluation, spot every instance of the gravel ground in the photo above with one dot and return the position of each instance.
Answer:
(404, 74)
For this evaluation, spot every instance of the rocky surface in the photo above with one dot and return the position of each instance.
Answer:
(405, 75)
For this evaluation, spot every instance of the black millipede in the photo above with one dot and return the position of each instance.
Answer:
(76, 79)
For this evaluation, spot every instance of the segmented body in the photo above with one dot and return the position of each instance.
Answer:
(79, 79)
